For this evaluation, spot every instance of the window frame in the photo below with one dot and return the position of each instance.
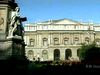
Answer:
(56, 41)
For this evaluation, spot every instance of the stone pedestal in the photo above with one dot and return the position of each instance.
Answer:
(14, 46)
(9, 46)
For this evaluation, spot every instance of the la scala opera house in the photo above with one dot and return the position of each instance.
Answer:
(58, 39)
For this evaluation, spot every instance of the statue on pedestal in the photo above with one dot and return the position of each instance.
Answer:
(16, 28)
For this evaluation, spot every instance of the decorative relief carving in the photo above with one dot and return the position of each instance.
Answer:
(2, 16)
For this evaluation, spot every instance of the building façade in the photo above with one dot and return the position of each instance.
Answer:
(58, 39)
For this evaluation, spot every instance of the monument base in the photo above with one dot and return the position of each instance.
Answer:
(12, 46)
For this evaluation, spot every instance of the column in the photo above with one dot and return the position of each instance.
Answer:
(39, 40)
(35, 40)
(62, 54)
(27, 41)
(61, 39)
(71, 39)
(74, 53)
(49, 39)
(37, 36)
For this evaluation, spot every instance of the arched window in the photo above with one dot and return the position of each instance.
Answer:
(68, 54)
(56, 55)
(45, 41)
(45, 55)
(66, 41)
(56, 41)
(30, 54)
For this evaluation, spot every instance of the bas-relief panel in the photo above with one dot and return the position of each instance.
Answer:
(2, 18)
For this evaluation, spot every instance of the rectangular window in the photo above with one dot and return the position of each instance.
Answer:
(45, 41)
(31, 42)
(76, 40)
(56, 41)
(66, 42)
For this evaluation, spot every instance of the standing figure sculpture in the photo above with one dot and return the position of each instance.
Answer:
(16, 27)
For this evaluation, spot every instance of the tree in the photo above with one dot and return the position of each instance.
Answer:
(89, 53)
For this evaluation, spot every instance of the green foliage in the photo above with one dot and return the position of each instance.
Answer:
(89, 52)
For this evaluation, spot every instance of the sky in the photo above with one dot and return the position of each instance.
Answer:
(43, 10)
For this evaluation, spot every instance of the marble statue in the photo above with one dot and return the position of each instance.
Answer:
(16, 27)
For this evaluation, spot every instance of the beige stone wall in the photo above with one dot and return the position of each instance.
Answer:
(38, 43)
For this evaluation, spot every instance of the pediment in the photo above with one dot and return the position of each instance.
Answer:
(60, 21)
(66, 21)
